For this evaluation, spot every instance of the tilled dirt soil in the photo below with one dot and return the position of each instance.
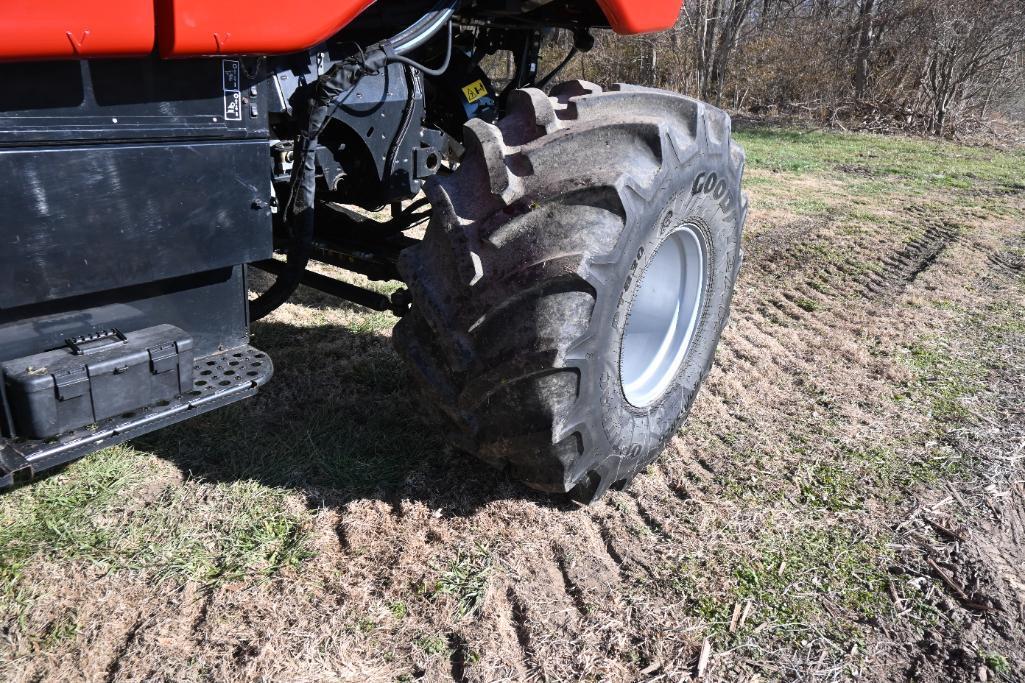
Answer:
(847, 500)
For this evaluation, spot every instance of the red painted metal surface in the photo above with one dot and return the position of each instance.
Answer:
(61, 29)
(641, 16)
(47, 29)
(215, 27)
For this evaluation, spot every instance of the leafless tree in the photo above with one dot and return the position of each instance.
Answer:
(866, 17)
(927, 64)
(718, 25)
(968, 53)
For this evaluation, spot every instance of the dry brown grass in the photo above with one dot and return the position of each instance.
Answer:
(845, 502)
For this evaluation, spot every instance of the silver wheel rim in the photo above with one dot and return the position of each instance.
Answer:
(663, 317)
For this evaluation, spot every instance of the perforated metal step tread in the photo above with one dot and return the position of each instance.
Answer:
(220, 379)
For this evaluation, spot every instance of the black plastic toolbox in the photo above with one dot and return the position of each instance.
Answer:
(97, 377)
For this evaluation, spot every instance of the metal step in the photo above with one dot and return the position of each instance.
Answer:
(220, 379)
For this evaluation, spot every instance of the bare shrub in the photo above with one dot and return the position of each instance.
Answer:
(928, 65)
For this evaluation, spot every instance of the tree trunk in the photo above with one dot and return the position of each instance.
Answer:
(864, 50)
(651, 66)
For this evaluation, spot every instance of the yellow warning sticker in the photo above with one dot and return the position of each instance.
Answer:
(475, 91)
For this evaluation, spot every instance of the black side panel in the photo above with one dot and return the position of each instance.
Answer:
(130, 192)
(93, 218)
(211, 307)
(131, 99)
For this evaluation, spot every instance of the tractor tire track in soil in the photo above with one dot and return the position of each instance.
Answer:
(1010, 259)
(521, 625)
(1003, 547)
(904, 267)
(1008, 262)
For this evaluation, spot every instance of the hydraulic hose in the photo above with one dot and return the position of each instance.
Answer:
(424, 28)
(300, 247)
(557, 70)
(426, 70)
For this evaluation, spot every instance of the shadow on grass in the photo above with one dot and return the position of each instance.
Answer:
(340, 420)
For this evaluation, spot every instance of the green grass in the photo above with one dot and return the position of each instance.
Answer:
(355, 450)
(373, 322)
(807, 206)
(833, 486)
(996, 662)
(466, 579)
(806, 304)
(944, 381)
(892, 163)
(398, 609)
(825, 253)
(792, 570)
(61, 629)
(63, 517)
(788, 575)
(433, 645)
(244, 529)
(893, 472)
(247, 530)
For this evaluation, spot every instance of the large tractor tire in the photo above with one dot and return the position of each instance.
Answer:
(575, 279)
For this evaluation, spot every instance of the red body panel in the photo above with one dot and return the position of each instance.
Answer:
(62, 29)
(641, 16)
(217, 27)
(38, 29)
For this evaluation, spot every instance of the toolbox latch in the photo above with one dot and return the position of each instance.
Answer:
(163, 358)
(71, 382)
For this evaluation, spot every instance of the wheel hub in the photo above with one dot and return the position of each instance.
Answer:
(663, 317)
